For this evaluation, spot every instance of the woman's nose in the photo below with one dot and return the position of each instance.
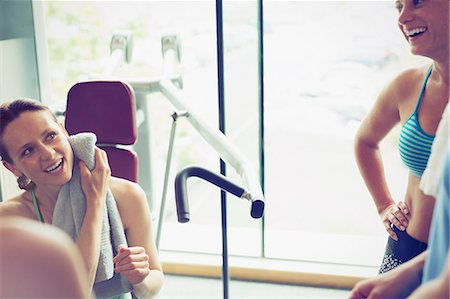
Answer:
(47, 152)
(406, 15)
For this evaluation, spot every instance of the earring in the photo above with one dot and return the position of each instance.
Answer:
(23, 182)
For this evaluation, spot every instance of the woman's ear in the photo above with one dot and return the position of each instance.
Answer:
(13, 169)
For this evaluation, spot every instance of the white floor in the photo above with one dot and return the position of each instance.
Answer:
(186, 287)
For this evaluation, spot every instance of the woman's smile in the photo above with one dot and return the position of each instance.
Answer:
(55, 168)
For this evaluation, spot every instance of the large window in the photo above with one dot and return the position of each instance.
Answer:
(325, 62)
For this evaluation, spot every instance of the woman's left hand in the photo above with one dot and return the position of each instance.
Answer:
(133, 263)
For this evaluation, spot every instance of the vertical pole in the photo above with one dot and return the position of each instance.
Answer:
(166, 177)
(221, 96)
(261, 112)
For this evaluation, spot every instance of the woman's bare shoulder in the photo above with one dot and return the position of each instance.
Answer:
(16, 206)
(127, 193)
(401, 91)
(406, 83)
(131, 201)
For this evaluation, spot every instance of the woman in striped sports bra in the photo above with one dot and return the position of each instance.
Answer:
(415, 99)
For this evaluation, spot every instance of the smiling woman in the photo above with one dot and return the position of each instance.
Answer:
(416, 99)
(36, 149)
(41, 154)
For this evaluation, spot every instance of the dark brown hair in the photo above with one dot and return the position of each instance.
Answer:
(12, 110)
(8, 113)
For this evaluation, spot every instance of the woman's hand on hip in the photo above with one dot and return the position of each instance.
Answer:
(133, 263)
(395, 215)
(95, 183)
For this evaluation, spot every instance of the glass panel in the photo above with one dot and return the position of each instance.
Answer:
(242, 115)
(325, 63)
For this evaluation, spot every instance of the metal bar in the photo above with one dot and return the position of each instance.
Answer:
(221, 105)
(162, 206)
(261, 113)
(216, 139)
(181, 192)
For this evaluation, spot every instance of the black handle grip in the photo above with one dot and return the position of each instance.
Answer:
(257, 210)
(216, 179)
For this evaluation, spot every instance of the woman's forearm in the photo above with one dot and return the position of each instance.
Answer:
(413, 271)
(437, 288)
(371, 168)
(150, 286)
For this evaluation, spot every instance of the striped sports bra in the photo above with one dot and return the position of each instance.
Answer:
(414, 144)
(36, 207)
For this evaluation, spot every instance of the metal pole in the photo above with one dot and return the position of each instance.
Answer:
(261, 112)
(221, 94)
(162, 207)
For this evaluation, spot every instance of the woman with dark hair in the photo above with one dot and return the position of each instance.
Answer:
(36, 149)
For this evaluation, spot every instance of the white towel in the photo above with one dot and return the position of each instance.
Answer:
(431, 177)
(69, 213)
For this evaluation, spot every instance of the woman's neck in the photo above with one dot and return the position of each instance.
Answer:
(441, 72)
(47, 195)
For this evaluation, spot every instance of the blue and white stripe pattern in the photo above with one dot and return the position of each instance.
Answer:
(415, 146)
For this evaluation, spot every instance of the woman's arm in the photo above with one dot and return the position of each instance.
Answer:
(437, 288)
(380, 120)
(397, 283)
(139, 261)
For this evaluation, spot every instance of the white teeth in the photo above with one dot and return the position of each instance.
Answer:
(54, 166)
(415, 31)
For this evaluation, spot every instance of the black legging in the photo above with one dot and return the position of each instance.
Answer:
(401, 251)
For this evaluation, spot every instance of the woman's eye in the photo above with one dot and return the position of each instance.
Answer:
(417, 2)
(27, 152)
(51, 136)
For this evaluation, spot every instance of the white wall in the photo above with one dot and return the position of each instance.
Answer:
(18, 66)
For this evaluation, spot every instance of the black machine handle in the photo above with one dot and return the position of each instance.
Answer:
(257, 209)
